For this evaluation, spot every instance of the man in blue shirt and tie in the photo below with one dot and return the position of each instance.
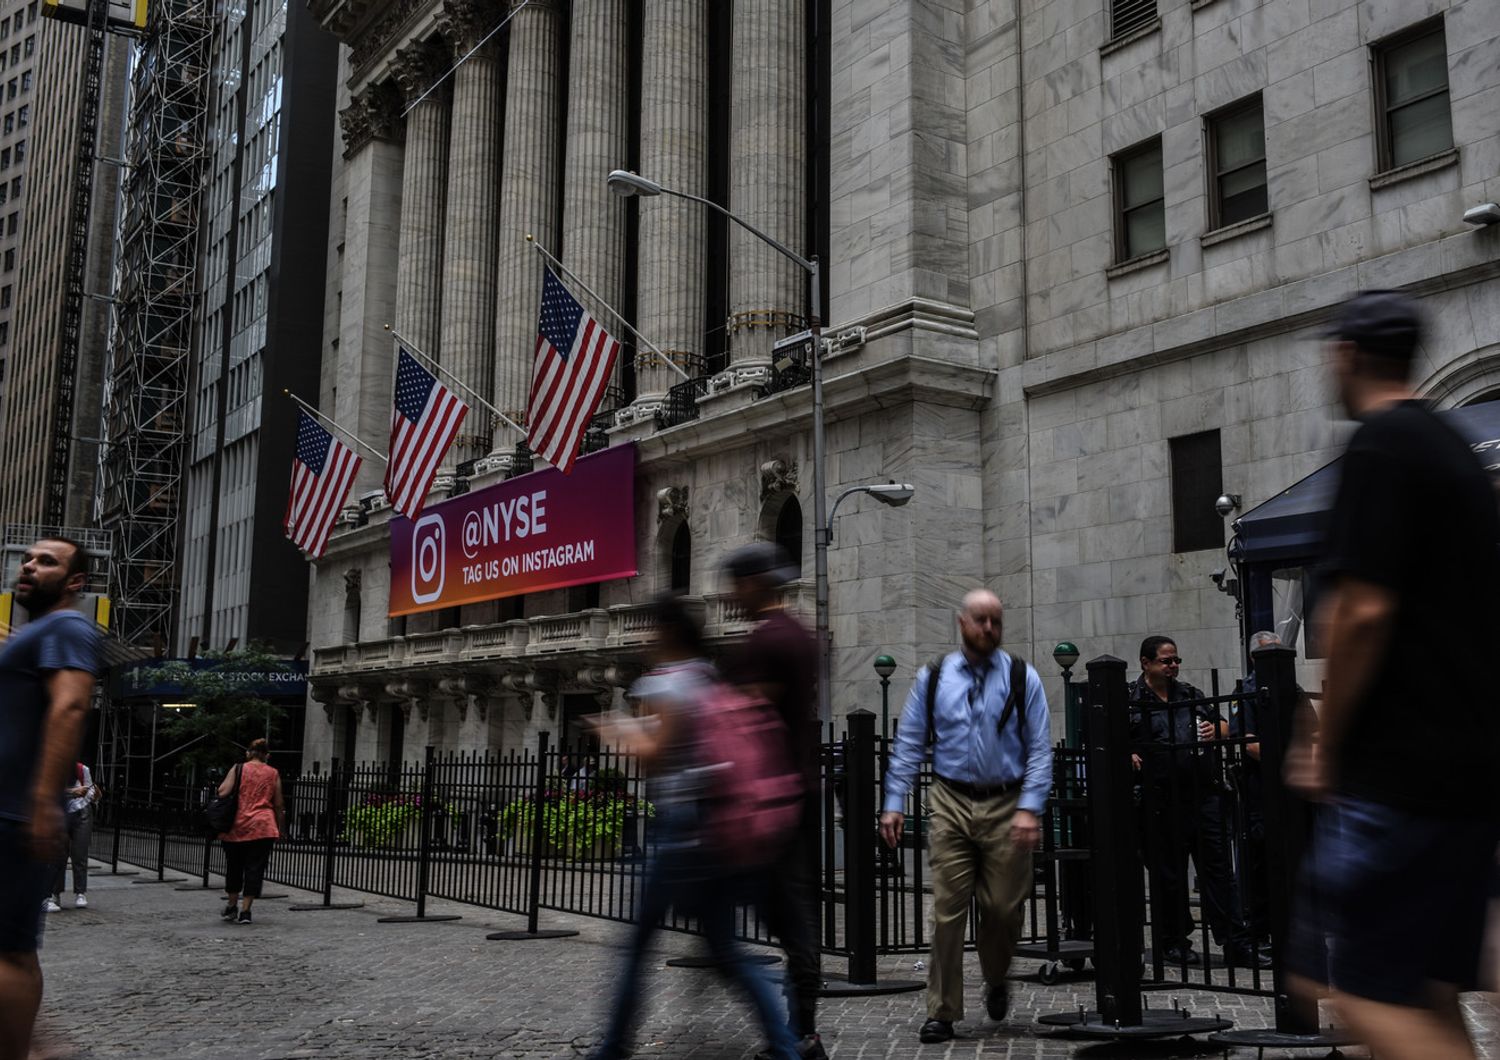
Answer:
(992, 754)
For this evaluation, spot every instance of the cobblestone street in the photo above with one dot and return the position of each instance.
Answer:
(150, 971)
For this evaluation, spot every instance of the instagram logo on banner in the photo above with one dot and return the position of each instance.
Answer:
(429, 561)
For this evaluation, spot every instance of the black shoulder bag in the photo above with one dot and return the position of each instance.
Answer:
(1012, 698)
(219, 814)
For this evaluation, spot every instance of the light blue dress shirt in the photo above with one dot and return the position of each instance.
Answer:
(968, 747)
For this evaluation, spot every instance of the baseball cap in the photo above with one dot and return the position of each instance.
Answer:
(761, 559)
(1385, 323)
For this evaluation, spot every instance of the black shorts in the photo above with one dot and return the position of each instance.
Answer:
(1390, 900)
(24, 886)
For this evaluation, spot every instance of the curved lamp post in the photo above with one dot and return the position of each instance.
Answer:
(629, 185)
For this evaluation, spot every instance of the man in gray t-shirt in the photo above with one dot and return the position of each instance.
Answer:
(46, 683)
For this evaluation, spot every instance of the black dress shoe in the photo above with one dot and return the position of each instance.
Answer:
(1241, 957)
(935, 1031)
(1188, 956)
(997, 1000)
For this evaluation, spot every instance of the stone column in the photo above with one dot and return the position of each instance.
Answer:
(768, 178)
(424, 190)
(593, 237)
(528, 200)
(468, 314)
(372, 221)
(674, 139)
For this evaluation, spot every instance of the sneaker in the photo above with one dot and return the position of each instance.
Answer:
(81, 901)
(935, 1031)
(244, 917)
(51, 906)
(230, 911)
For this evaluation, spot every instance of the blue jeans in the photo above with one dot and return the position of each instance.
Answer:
(677, 876)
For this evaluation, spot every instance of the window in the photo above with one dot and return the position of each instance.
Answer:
(1197, 481)
(5, 296)
(23, 116)
(11, 87)
(11, 222)
(4, 158)
(1127, 16)
(1140, 209)
(682, 559)
(4, 192)
(10, 124)
(20, 151)
(1411, 88)
(15, 187)
(789, 531)
(1237, 164)
(25, 81)
(4, 332)
(10, 260)
(30, 45)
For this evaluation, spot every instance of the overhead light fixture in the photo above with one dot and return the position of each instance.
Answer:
(1486, 213)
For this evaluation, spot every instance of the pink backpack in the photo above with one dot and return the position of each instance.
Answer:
(755, 794)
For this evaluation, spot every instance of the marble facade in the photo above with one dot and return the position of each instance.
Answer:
(984, 343)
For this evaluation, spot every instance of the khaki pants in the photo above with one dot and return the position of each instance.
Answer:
(972, 856)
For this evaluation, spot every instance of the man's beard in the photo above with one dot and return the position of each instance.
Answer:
(40, 599)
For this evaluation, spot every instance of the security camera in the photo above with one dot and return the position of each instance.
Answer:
(1486, 213)
(1227, 503)
(1218, 577)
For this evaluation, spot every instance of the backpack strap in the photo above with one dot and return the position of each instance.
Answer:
(1014, 696)
(934, 675)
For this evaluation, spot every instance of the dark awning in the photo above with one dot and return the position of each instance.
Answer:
(1290, 524)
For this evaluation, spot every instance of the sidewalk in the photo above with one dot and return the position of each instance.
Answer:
(150, 971)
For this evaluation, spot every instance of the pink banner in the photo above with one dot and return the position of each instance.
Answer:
(545, 530)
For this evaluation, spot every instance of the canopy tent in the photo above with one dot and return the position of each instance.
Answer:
(1290, 524)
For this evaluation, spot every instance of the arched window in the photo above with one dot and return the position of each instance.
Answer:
(789, 530)
(682, 558)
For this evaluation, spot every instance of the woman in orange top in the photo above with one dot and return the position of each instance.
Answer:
(257, 824)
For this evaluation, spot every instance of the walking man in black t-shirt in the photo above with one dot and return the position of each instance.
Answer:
(1407, 752)
(779, 661)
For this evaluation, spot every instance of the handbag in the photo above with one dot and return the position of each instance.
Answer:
(219, 814)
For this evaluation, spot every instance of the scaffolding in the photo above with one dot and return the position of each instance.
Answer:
(146, 414)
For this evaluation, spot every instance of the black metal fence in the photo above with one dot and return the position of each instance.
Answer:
(569, 830)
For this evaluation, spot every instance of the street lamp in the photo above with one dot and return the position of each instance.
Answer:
(1065, 655)
(628, 185)
(885, 665)
(894, 494)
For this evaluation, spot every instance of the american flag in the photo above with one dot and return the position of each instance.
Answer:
(574, 359)
(322, 472)
(424, 419)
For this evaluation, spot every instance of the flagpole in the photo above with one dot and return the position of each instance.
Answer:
(411, 346)
(570, 274)
(342, 430)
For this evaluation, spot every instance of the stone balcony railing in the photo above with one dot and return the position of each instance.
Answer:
(619, 631)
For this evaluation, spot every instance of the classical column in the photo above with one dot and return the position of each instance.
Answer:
(468, 300)
(424, 189)
(528, 200)
(768, 176)
(372, 175)
(674, 136)
(593, 236)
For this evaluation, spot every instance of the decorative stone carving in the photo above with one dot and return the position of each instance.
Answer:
(328, 695)
(374, 42)
(373, 114)
(417, 68)
(671, 503)
(777, 476)
(470, 690)
(464, 23)
(531, 685)
(408, 694)
(352, 581)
